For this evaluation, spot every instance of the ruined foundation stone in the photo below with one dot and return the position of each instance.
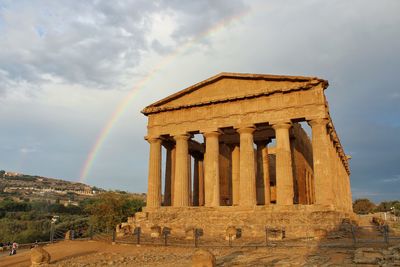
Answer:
(124, 229)
(39, 256)
(68, 235)
(155, 231)
(203, 258)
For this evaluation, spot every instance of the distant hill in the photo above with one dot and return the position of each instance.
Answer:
(26, 187)
(23, 186)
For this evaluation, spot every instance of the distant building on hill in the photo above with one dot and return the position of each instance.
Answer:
(12, 174)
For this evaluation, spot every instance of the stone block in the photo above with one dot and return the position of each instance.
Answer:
(69, 235)
(320, 233)
(189, 233)
(203, 258)
(233, 233)
(367, 256)
(39, 256)
(155, 231)
(141, 216)
(123, 229)
(276, 234)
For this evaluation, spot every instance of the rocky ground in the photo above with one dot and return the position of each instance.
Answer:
(94, 253)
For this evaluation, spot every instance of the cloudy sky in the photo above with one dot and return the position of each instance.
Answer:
(66, 67)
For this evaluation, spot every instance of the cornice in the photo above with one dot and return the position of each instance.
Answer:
(155, 109)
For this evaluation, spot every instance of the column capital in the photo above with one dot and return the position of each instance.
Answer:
(182, 137)
(153, 139)
(320, 121)
(281, 125)
(168, 145)
(244, 130)
(263, 142)
(233, 145)
(211, 134)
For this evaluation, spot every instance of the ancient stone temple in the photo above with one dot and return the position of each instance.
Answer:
(235, 153)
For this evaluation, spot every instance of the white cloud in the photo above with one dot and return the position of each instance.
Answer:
(26, 150)
(395, 95)
(97, 44)
(394, 179)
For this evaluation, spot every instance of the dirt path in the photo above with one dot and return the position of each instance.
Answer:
(92, 253)
(95, 253)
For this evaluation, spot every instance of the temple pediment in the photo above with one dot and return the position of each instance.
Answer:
(230, 87)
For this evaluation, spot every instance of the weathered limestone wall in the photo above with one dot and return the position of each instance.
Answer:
(298, 220)
(303, 162)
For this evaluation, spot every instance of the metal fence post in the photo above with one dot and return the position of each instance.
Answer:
(230, 240)
(386, 234)
(52, 233)
(353, 234)
(91, 232)
(165, 232)
(113, 236)
(197, 233)
(137, 232)
(266, 236)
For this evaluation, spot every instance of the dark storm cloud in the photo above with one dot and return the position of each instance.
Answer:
(92, 43)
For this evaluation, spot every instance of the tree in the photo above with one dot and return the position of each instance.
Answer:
(110, 209)
(363, 206)
(396, 209)
(386, 205)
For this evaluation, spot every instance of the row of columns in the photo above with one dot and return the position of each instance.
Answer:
(250, 180)
(332, 182)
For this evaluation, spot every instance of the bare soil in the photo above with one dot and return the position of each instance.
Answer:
(95, 253)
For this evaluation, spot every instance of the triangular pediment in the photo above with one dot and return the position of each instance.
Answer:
(231, 87)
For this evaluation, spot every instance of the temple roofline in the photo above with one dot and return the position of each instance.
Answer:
(154, 108)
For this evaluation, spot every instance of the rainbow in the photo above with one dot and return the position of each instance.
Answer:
(122, 106)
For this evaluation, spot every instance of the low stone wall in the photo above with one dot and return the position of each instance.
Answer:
(297, 220)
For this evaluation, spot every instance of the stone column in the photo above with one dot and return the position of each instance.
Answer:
(262, 179)
(196, 182)
(181, 186)
(154, 180)
(173, 163)
(339, 196)
(190, 196)
(247, 168)
(168, 172)
(211, 170)
(284, 172)
(307, 186)
(266, 177)
(259, 174)
(235, 174)
(349, 195)
(322, 176)
(201, 182)
(312, 184)
(310, 188)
